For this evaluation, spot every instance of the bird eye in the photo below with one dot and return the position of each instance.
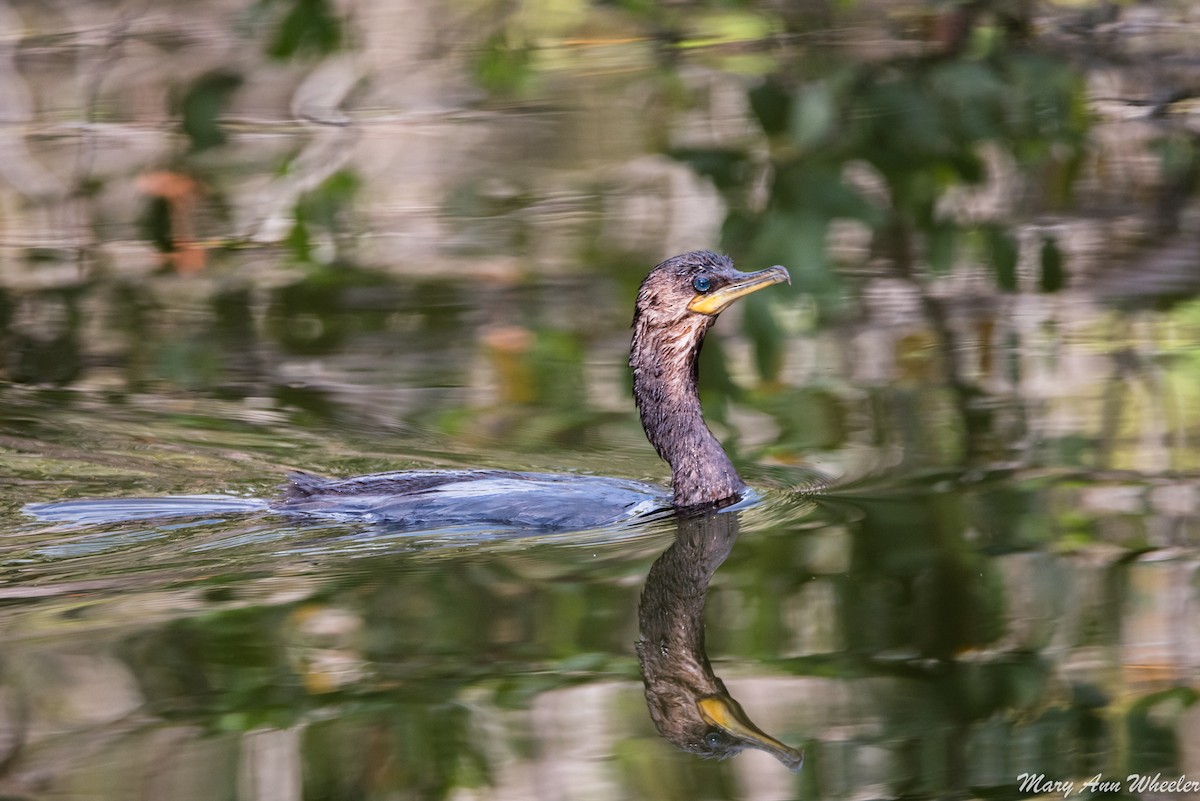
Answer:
(712, 739)
(701, 283)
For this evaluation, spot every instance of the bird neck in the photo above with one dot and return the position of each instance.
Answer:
(664, 363)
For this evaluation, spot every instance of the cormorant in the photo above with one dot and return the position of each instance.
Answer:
(676, 305)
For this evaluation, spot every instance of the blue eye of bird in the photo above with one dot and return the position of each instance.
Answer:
(701, 283)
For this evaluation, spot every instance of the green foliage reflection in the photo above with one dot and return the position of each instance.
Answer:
(202, 105)
(923, 127)
(322, 211)
(308, 27)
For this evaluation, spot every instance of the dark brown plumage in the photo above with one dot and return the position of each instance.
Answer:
(669, 323)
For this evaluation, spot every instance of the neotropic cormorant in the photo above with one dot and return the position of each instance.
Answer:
(676, 305)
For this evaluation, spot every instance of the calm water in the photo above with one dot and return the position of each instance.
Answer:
(1001, 579)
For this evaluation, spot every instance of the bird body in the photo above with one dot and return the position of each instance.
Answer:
(424, 498)
(677, 303)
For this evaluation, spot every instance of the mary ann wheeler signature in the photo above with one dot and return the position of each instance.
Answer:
(1040, 784)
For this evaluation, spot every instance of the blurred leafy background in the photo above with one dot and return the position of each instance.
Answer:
(926, 168)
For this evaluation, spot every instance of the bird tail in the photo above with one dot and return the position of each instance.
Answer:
(100, 511)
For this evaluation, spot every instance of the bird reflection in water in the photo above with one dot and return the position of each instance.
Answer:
(689, 704)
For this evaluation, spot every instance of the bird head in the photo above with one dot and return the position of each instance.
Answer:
(697, 286)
